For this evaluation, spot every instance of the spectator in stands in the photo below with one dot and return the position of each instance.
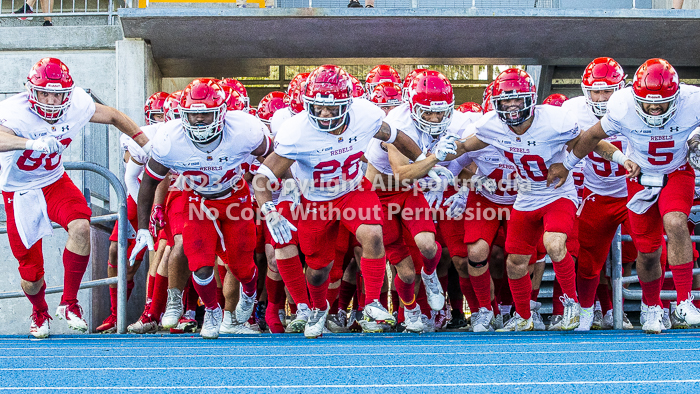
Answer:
(356, 4)
(677, 4)
(28, 8)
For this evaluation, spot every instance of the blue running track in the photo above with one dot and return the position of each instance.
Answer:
(602, 362)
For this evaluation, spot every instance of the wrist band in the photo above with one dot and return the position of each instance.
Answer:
(619, 158)
(136, 135)
(571, 161)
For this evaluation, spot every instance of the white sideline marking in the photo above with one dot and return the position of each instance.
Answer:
(353, 366)
(341, 386)
(355, 354)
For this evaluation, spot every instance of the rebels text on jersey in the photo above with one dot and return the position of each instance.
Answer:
(600, 176)
(328, 164)
(28, 169)
(533, 152)
(209, 174)
(657, 150)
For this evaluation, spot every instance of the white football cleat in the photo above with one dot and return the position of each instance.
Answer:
(688, 312)
(316, 323)
(436, 296)
(173, 309)
(212, 323)
(229, 325)
(586, 321)
(40, 324)
(298, 324)
(375, 312)
(653, 323)
(572, 313)
(73, 314)
(412, 320)
(245, 306)
(517, 323)
(484, 322)
(537, 321)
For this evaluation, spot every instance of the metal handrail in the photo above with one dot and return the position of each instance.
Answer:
(123, 221)
(111, 12)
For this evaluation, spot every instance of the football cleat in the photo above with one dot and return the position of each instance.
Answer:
(537, 321)
(458, 320)
(229, 325)
(144, 325)
(440, 318)
(687, 312)
(354, 321)
(337, 323)
(212, 323)
(436, 296)
(298, 324)
(572, 313)
(375, 312)
(412, 320)
(554, 323)
(653, 323)
(245, 307)
(316, 323)
(73, 314)
(586, 320)
(428, 324)
(484, 322)
(173, 309)
(517, 323)
(40, 324)
(108, 326)
(598, 320)
(187, 323)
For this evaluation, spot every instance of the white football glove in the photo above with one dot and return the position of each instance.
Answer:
(291, 189)
(46, 145)
(446, 146)
(694, 152)
(279, 226)
(143, 239)
(457, 202)
(481, 181)
(433, 197)
(442, 176)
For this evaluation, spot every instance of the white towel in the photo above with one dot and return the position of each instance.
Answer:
(643, 200)
(31, 216)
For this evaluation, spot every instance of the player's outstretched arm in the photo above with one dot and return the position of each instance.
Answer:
(108, 115)
(404, 170)
(10, 141)
(155, 173)
(468, 145)
(399, 139)
(610, 152)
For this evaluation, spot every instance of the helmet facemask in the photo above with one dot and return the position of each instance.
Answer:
(434, 129)
(518, 116)
(203, 133)
(599, 108)
(336, 121)
(656, 120)
(49, 112)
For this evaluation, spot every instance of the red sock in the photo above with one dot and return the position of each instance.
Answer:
(406, 292)
(557, 306)
(534, 294)
(667, 284)
(293, 309)
(683, 279)
(651, 292)
(220, 298)
(318, 295)
(192, 296)
(457, 303)
(496, 309)
(482, 289)
(347, 290)
(605, 297)
(160, 296)
(149, 287)
(384, 299)
(472, 302)
(373, 271)
(443, 283)
(521, 289)
(400, 318)
(394, 300)
(206, 288)
(275, 302)
(332, 297)
(74, 266)
(38, 300)
(422, 299)
(360, 292)
(334, 306)
(129, 288)
(506, 297)
(291, 271)
(498, 285)
(429, 265)
(587, 289)
(565, 270)
(251, 287)
(113, 300)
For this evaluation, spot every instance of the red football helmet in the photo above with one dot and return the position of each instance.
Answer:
(407, 82)
(253, 111)
(154, 105)
(514, 83)
(269, 105)
(602, 73)
(357, 89)
(203, 96)
(555, 99)
(386, 94)
(431, 92)
(237, 86)
(49, 75)
(487, 91)
(234, 100)
(171, 106)
(656, 82)
(379, 74)
(293, 96)
(470, 106)
(328, 86)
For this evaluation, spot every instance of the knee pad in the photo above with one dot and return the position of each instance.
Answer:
(478, 264)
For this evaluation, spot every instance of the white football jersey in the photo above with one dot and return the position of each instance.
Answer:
(28, 169)
(329, 165)
(278, 118)
(657, 150)
(533, 152)
(209, 173)
(600, 176)
(134, 149)
(490, 162)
